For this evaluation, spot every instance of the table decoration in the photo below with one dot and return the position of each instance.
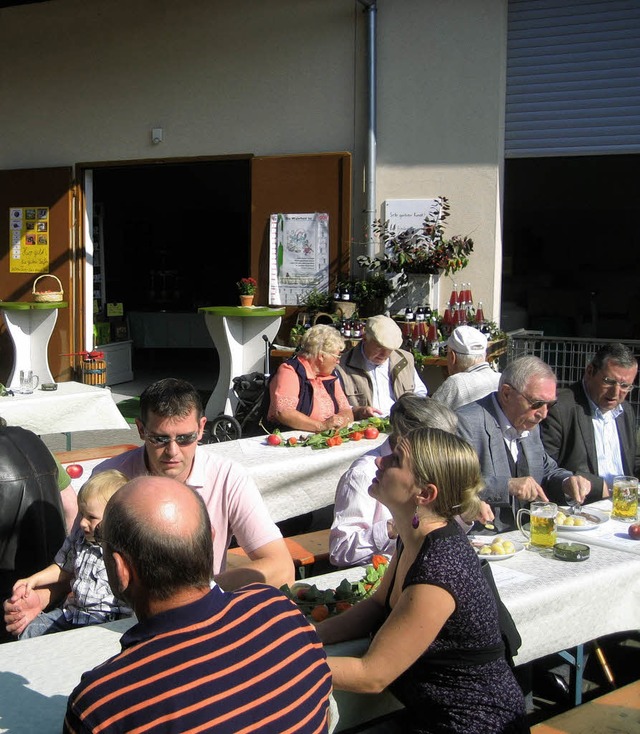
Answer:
(247, 289)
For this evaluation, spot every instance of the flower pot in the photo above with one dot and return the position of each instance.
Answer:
(246, 300)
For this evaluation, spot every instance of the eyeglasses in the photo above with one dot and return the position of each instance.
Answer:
(98, 536)
(624, 386)
(535, 404)
(335, 356)
(184, 439)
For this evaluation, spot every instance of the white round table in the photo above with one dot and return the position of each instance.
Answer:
(238, 334)
(30, 326)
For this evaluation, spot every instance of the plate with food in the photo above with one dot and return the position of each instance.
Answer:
(584, 520)
(496, 548)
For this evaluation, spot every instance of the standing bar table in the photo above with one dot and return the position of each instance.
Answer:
(237, 333)
(30, 326)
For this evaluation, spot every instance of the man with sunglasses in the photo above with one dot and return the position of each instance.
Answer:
(592, 429)
(503, 427)
(171, 424)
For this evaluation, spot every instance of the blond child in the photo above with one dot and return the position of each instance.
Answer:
(80, 563)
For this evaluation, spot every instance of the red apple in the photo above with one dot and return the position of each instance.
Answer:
(75, 471)
(634, 531)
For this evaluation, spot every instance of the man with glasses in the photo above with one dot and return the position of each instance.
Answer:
(592, 429)
(376, 372)
(503, 427)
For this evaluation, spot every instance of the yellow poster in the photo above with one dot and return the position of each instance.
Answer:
(29, 239)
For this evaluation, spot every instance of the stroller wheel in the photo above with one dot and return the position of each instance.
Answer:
(222, 428)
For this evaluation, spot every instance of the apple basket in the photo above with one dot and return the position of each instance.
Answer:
(47, 296)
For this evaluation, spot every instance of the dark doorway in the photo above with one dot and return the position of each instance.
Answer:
(572, 245)
(176, 236)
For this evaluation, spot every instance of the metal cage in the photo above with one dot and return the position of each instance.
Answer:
(567, 356)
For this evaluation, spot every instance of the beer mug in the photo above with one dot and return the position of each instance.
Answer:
(625, 498)
(542, 525)
(28, 382)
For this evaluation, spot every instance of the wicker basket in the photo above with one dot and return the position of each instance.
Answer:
(47, 296)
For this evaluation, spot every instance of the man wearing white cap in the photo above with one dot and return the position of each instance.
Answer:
(471, 377)
(376, 372)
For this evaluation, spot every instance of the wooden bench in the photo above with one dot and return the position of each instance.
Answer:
(617, 712)
(95, 452)
(305, 549)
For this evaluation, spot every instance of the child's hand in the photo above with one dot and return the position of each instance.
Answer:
(23, 587)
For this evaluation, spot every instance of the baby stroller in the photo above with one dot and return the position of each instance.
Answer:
(252, 393)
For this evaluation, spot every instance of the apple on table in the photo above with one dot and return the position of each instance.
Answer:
(634, 531)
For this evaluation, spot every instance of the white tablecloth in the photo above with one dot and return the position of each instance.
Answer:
(294, 480)
(72, 407)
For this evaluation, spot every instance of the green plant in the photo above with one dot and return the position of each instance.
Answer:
(247, 286)
(315, 300)
(423, 250)
(377, 286)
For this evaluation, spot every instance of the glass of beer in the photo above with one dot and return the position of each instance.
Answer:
(625, 498)
(542, 525)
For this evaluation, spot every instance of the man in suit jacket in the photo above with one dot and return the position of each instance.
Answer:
(592, 429)
(503, 428)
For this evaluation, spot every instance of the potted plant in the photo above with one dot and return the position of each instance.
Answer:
(422, 250)
(371, 293)
(247, 290)
(314, 301)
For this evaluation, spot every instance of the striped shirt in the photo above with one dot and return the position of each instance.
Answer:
(230, 662)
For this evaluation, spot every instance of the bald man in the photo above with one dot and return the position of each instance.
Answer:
(199, 658)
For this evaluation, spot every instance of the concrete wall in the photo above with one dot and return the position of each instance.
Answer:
(84, 81)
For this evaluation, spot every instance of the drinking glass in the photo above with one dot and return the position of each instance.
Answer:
(28, 382)
(542, 525)
(625, 498)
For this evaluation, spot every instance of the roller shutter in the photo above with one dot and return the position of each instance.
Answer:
(573, 78)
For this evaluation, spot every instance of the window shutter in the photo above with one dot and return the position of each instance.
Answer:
(573, 78)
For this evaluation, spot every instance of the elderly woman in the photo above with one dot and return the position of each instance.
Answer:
(305, 392)
(437, 644)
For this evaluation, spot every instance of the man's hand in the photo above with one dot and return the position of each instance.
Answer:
(526, 489)
(362, 412)
(484, 516)
(576, 488)
(20, 610)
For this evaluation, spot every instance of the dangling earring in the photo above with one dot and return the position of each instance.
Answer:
(415, 520)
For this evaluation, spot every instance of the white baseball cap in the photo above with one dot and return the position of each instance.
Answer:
(467, 340)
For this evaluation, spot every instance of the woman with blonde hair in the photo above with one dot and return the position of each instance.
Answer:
(437, 643)
(305, 392)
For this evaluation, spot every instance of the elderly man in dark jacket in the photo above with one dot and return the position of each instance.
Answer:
(592, 428)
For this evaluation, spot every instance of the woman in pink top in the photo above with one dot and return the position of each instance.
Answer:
(305, 392)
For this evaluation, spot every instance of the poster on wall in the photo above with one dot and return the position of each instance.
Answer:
(298, 256)
(29, 239)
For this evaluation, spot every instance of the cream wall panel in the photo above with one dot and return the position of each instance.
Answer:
(85, 81)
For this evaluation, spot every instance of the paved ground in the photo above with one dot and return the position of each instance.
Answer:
(199, 367)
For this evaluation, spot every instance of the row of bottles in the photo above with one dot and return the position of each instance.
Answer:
(423, 336)
(351, 328)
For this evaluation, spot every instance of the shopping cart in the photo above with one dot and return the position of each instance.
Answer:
(252, 395)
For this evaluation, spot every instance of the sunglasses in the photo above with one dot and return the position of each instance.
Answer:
(535, 404)
(184, 439)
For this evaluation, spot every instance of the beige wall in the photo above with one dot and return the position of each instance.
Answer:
(83, 81)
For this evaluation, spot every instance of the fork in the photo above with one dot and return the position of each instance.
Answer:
(575, 508)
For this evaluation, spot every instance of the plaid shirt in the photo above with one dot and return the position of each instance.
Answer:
(91, 600)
